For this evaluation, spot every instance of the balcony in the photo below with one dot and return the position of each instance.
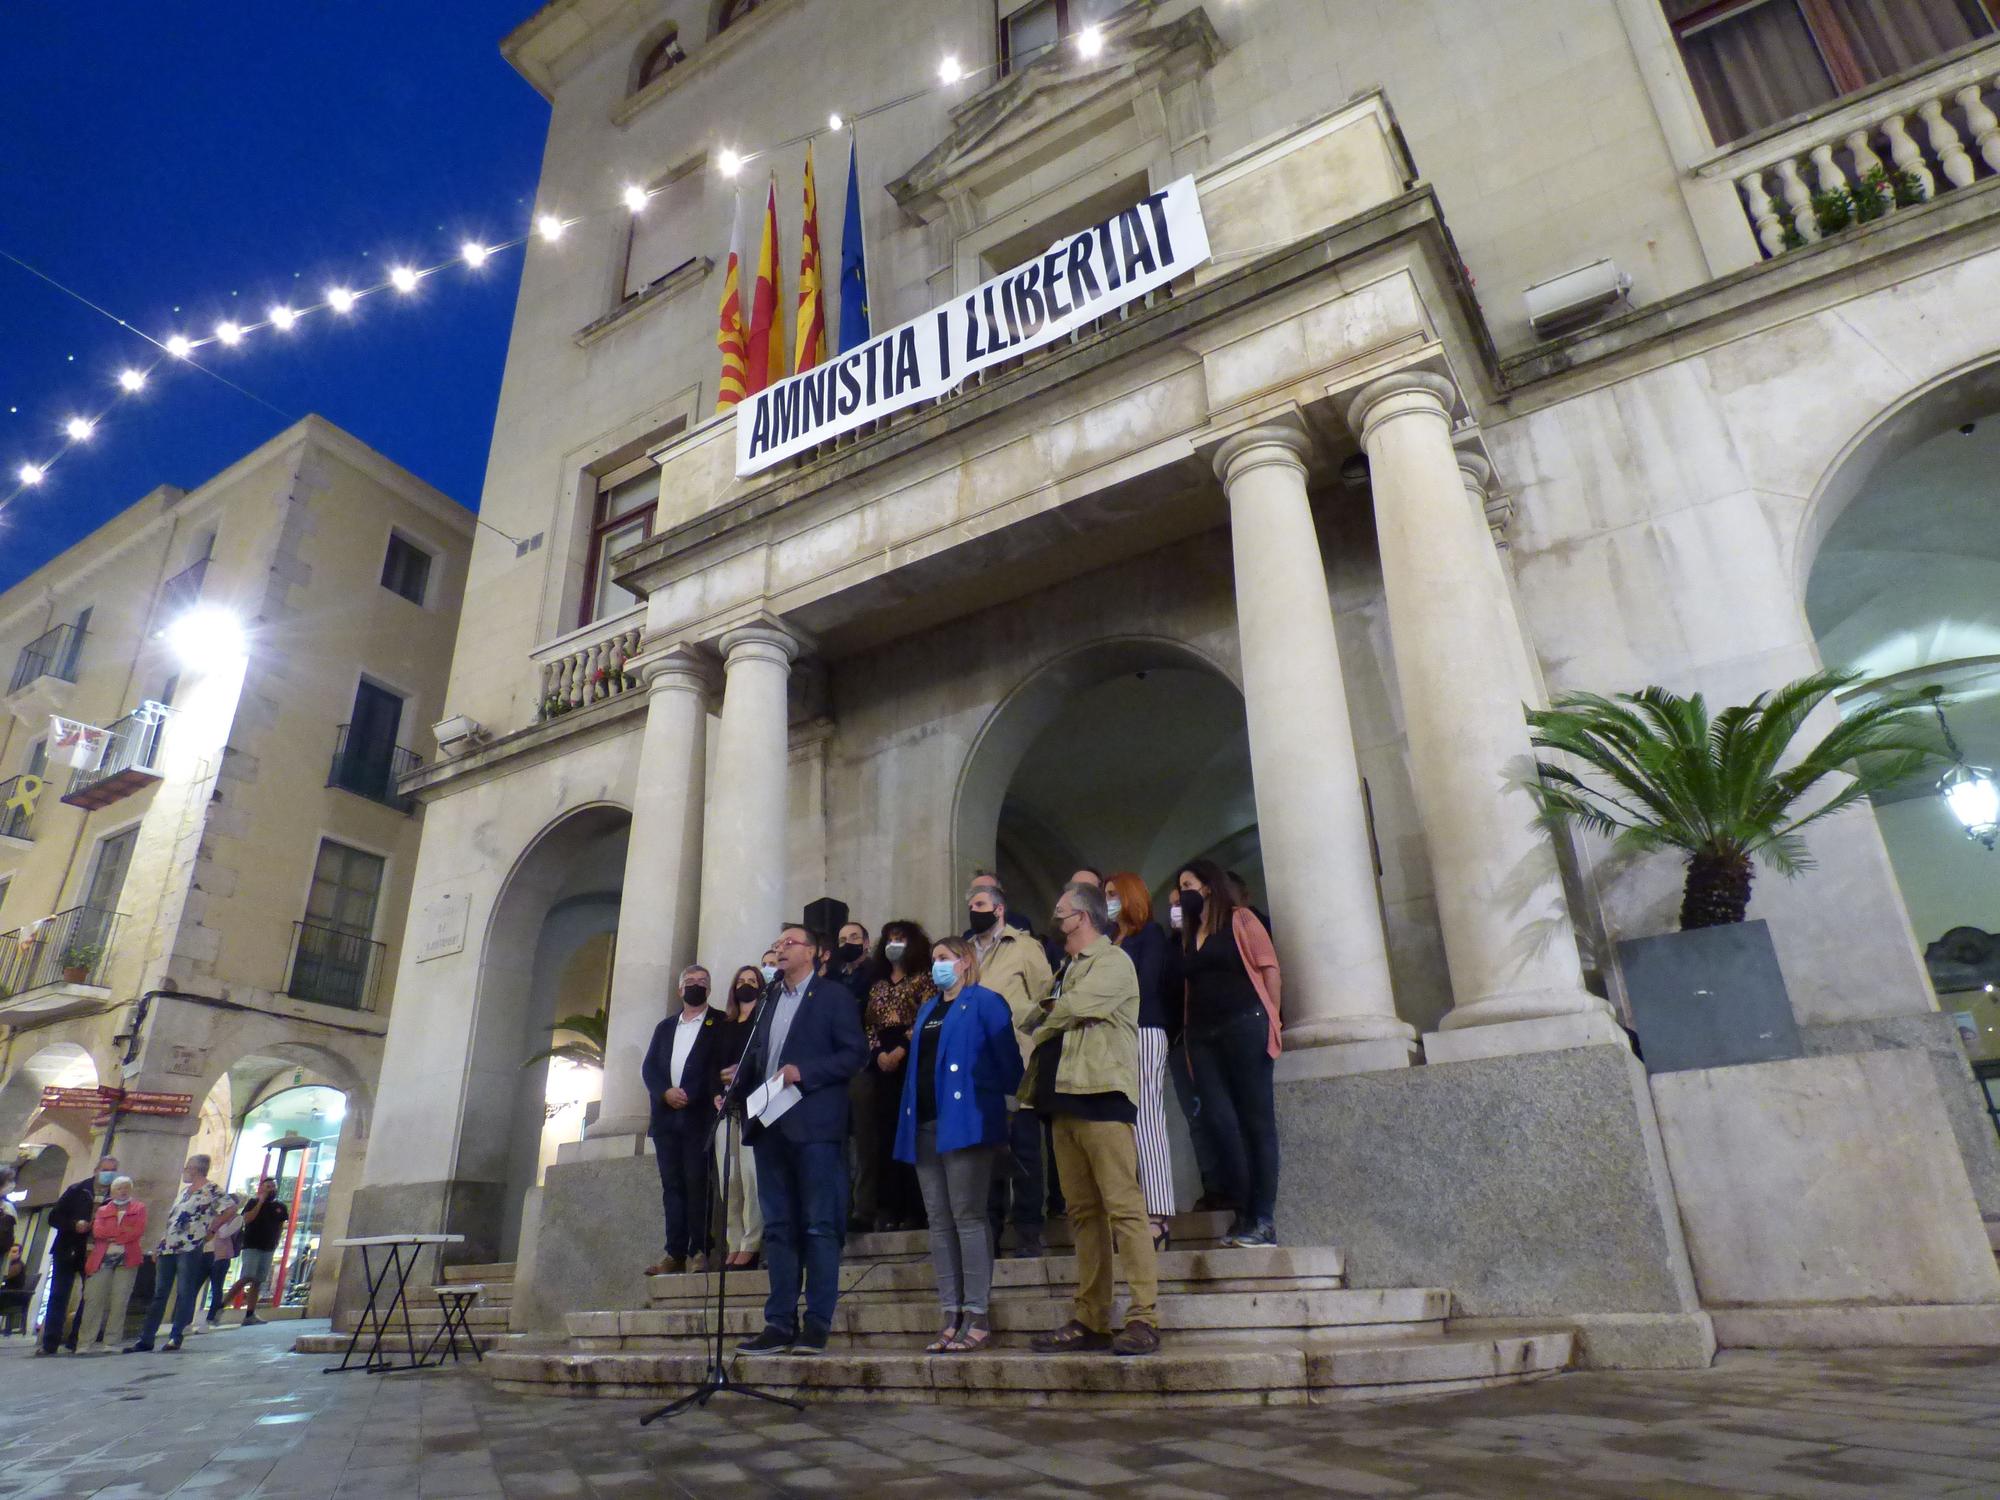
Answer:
(587, 667)
(181, 592)
(44, 672)
(331, 967)
(1883, 152)
(129, 762)
(370, 770)
(18, 797)
(56, 966)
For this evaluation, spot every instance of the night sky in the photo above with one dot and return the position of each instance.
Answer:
(218, 157)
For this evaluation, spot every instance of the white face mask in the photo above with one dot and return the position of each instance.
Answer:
(894, 949)
(1113, 906)
(1174, 916)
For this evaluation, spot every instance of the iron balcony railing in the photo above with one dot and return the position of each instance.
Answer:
(18, 796)
(71, 947)
(132, 753)
(182, 592)
(53, 653)
(331, 967)
(371, 771)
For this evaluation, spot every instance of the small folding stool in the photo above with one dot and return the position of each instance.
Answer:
(456, 1301)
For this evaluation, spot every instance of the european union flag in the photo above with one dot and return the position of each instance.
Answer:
(853, 264)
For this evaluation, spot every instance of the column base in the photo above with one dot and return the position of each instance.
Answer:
(604, 1147)
(1559, 1033)
(1333, 1059)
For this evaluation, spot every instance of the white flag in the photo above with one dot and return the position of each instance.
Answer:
(83, 745)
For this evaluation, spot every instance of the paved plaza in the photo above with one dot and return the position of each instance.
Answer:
(236, 1414)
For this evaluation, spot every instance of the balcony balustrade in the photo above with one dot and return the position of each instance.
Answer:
(19, 796)
(129, 761)
(371, 770)
(589, 669)
(72, 948)
(331, 967)
(53, 653)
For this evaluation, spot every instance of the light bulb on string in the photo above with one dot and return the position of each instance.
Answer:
(403, 279)
(79, 429)
(834, 122)
(230, 333)
(549, 227)
(131, 380)
(728, 162)
(1090, 41)
(30, 473)
(635, 197)
(340, 299)
(282, 318)
(949, 70)
(473, 253)
(179, 346)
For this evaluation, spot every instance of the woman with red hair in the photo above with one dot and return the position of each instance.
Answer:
(1131, 908)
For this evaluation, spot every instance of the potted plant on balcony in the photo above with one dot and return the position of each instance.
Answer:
(78, 960)
(1728, 793)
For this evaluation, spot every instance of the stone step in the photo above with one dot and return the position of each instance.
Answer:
(1273, 1268)
(1189, 1231)
(486, 1271)
(1333, 1316)
(1236, 1374)
(424, 1318)
(336, 1343)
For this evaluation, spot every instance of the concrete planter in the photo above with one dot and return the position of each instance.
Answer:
(1710, 998)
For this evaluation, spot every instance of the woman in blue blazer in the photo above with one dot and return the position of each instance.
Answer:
(964, 1065)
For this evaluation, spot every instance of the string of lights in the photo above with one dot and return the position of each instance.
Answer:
(340, 299)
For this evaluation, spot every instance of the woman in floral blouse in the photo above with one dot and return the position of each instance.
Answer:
(903, 957)
(182, 1255)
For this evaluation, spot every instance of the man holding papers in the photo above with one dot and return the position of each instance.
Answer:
(793, 1081)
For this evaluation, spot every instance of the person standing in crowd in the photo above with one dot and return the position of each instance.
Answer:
(677, 1069)
(264, 1220)
(903, 967)
(179, 1263)
(9, 1225)
(13, 1289)
(1233, 997)
(1013, 966)
(851, 963)
(742, 1221)
(69, 1253)
(224, 1240)
(1083, 1072)
(812, 1039)
(1130, 907)
(964, 1066)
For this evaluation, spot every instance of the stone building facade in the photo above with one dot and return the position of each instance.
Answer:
(1276, 556)
(225, 878)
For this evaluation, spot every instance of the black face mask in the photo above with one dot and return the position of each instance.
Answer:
(850, 952)
(694, 994)
(981, 922)
(1190, 907)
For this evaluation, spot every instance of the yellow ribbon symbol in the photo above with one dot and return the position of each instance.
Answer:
(26, 789)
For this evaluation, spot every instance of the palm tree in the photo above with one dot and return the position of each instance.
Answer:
(587, 1039)
(1713, 788)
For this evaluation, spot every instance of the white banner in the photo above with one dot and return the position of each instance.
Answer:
(81, 745)
(1081, 277)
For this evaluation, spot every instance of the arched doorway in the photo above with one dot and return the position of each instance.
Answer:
(291, 1134)
(64, 1065)
(1904, 589)
(1128, 754)
(548, 955)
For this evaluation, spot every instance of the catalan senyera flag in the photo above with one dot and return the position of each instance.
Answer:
(729, 333)
(764, 350)
(809, 346)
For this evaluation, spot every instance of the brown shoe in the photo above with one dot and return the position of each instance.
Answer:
(667, 1265)
(1136, 1338)
(697, 1264)
(1071, 1338)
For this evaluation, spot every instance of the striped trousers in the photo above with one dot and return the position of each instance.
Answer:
(1156, 1161)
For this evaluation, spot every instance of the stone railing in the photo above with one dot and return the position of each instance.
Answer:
(588, 666)
(1888, 150)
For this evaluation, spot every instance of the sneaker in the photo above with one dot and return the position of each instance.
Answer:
(171, 1346)
(697, 1264)
(1256, 1237)
(1030, 1248)
(1136, 1338)
(811, 1340)
(142, 1347)
(251, 1320)
(667, 1265)
(770, 1341)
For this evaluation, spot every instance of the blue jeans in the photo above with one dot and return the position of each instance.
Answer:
(62, 1280)
(1018, 1170)
(802, 1190)
(179, 1276)
(1232, 1076)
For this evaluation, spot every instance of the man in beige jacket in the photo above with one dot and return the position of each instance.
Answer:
(1012, 964)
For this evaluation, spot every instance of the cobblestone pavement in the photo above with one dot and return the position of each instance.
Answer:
(236, 1414)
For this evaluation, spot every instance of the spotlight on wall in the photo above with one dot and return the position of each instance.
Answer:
(206, 637)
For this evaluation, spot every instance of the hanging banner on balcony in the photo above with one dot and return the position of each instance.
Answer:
(80, 746)
(1080, 278)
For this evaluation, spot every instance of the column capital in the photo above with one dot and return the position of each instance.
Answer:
(1478, 474)
(764, 639)
(1282, 443)
(1400, 394)
(679, 668)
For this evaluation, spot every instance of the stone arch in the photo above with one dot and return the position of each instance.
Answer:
(665, 35)
(51, 1055)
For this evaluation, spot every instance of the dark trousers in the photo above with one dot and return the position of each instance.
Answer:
(897, 1200)
(1207, 1160)
(1232, 1076)
(682, 1153)
(63, 1277)
(802, 1191)
(178, 1276)
(1018, 1175)
(218, 1282)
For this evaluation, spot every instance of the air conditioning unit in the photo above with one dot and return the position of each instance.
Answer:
(1567, 302)
(458, 735)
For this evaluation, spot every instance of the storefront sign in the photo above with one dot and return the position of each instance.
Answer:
(1081, 277)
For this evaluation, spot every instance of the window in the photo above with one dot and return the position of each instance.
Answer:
(666, 233)
(1756, 62)
(626, 502)
(345, 885)
(659, 57)
(734, 11)
(334, 954)
(366, 760)
(106, 884)
(1030, 28)
(406, 569)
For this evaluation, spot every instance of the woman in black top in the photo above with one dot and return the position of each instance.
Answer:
(743, 1223)
(1131, 908)
(1228, 1040)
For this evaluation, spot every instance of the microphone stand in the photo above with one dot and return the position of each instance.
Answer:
(717, 1377)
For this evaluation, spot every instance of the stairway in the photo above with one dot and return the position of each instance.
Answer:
(1266, 1326)
(487, 1318)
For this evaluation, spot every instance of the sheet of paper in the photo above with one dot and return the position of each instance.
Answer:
(768, 1104)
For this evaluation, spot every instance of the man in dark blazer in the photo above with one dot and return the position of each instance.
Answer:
(677, 1069)
(811, 1034)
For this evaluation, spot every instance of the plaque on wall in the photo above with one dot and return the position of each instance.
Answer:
(441, 926)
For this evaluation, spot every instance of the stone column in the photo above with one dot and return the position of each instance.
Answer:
(1507, 935)
(1339, 1008)
(743, 869)
(656, 910)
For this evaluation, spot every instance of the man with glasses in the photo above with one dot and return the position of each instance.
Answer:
(811, 1038)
